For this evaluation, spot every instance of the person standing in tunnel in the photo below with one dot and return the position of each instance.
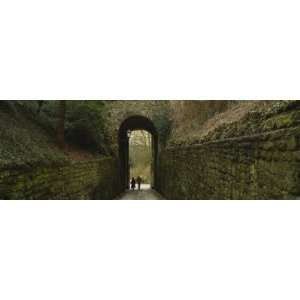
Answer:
(139, 182)
(133, 183)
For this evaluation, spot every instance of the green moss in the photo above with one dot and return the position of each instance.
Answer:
(76, 181)
(268, 145)
(292, 143)
(285, 120)
(24, 144)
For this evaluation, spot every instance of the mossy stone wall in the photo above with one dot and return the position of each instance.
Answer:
(261, 165)
(94, 179)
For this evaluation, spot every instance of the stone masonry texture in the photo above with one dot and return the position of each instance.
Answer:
(96, 179)
(257, 159)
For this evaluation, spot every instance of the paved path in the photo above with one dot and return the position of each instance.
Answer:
(144, 194)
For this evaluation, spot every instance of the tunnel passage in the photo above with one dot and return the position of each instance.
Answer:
(131, 124)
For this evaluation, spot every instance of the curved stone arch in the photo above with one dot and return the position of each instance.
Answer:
(118, 111)
(136, 122)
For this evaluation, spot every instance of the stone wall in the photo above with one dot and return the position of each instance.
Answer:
(261, 162)
(95, 179)
(118, 111)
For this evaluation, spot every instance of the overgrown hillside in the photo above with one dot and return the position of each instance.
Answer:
(28, 133)
(24, 142)
(196, 122)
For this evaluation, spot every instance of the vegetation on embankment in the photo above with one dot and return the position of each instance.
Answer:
(28, 132)
(24, 142)
(244, 118)
(33, 166)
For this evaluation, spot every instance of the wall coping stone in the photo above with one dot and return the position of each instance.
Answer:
(274, 134)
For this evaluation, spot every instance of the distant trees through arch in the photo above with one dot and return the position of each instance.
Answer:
(138, 132)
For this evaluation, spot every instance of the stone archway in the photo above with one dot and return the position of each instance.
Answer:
(136, 122)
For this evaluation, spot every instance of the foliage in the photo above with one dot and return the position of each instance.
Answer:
(8, 106)
(140, 155)
(45, 113)
(85, 125)
(28, 131)
(23, 142)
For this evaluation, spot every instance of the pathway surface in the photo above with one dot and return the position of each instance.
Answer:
(146, 193)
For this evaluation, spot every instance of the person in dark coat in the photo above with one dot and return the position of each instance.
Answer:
(139, 182)
(133, 183)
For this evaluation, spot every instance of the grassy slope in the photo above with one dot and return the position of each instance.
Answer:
(23, 142)
(26, 141)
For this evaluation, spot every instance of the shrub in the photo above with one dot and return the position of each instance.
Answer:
(85, 126)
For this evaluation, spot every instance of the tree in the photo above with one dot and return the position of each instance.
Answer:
(61, 124)
(40, 105)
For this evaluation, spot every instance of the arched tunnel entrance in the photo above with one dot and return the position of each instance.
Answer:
(131, 124)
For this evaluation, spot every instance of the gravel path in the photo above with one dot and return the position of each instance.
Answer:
(144, 194)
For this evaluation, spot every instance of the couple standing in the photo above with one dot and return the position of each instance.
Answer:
(138, 181)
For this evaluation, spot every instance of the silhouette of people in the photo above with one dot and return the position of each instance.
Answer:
(133, 183)
(139, 182)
